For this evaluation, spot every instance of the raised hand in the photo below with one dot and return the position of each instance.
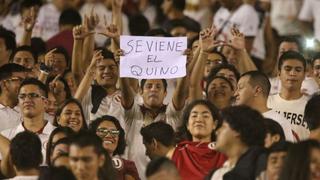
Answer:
(111, 30)
(49, 57)
(29, 19)
(91, 21)
(238, 40)
(80, 32)
(117, 54)
(56, 86)
(207, 40)
(97, 56)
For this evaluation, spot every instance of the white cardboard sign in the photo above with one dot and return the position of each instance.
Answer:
(149, 57)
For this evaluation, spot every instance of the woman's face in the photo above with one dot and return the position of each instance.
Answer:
(315, 164)
(109, 134)
(52, 105)
(71, 117)
(219, 90)
(201, 123)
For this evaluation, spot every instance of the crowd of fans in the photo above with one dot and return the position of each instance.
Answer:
(246, 109)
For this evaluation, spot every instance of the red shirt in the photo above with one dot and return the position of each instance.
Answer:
(125, 167)
(64, 39)
(194, 160)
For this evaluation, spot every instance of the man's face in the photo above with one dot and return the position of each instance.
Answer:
(287, 46)
(212, 61)
(316, 70)
(245, 92)
(4, 53)
(31, 101)
(150, 149)
(230, 54)
(52, 105)
(291, 74)
(166, 6)
(229, 75)
(24, 58)
(59, 64)
(12, 84)
(153, 93)
(85, 162)
(107, 73)
(225, 137)
(274, 164)
(219, 90)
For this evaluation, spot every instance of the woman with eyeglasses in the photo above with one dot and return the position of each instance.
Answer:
(112, 134)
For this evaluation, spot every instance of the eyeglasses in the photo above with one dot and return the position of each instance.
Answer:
(30, 96)
(104, 132)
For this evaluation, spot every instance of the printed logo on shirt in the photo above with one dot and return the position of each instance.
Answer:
(117, 163)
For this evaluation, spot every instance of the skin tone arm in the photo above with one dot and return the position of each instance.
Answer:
(79, 33)
(28, 23)
(206, 43)
(117, 21)
(90, 23)
(88, 77)
(238, 43)
(6, 164)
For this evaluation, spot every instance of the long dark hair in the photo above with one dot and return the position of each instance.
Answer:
(59, 111)
(297, 163)
(183, 133)
(121, 142)
(65, 130)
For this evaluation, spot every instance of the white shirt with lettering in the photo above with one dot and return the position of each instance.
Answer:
(9, 117)
(135, 120)
(286, 126)
(293, 112)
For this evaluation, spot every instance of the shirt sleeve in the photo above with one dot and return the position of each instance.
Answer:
(306, 13)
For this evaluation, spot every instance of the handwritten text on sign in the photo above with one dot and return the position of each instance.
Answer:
(153, 57)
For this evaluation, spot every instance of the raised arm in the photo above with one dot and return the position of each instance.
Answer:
(88, 77)
(79, 33)
(28, 22)
(117, 21)
(238, 43)
(90, 22)
(6, 164)
(206, 44)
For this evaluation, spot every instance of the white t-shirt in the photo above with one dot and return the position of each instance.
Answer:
(218, 174)
(44, 136)
(310, 12)
(110, 105)
(292, 111)
(309, 86)
(47, 24)
(284, 16)
(135, 120)
(245, 18)
(9, 117)
(13, 23)
(286, 126)
(101, 11)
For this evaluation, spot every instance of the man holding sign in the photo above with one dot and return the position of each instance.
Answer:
(153, 60)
